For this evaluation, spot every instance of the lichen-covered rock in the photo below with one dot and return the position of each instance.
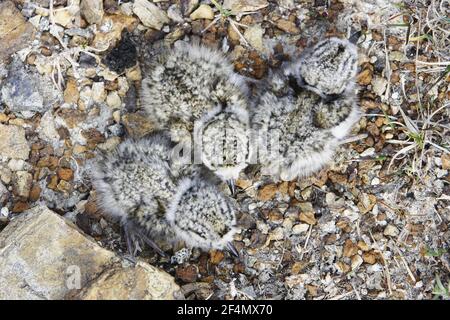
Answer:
(13, 143)
(44, 257)
(141, 282)
(24, 89)
(3, 194)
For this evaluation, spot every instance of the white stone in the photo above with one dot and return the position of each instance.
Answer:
(379, 85)
(174, 13)
(202, 12)
(66, 16)
(86, 95)
(356, 262)
(4, 212)
(5, 175)
(241, 6)
(3, 196)
(277, 234)
(352, 215)
(16, 164)
(391, 230)
(47, 130)
(368, 152)
(287, 224)
(44, 256)
(147, 283)
(189, 6)
(328, 227)
(375, 181)
(300, 228)
(22, 183)
(254, 36)
(113, 100)
(127, 8)
(108, 75)
(150, 14)
(98, 92)
(123, 86)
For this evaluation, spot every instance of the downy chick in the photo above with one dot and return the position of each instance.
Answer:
(298, 124)
(202, 216)
(134, 184)
(184, 84)
(221, 142)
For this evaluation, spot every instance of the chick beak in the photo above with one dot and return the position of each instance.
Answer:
(355, 37)
(232, 249)
(231, 186)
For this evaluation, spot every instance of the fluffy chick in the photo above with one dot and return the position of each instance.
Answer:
(202, 216)
(327, 68)
(134, 183)
(221, 142)
(297, 135)
(182, 85)
(306, 109)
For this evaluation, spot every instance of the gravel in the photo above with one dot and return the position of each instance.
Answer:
(366, 226)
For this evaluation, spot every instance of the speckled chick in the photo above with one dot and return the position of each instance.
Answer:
(202, 216)
(182, 85)
(327, 68)
(297, 135)
(298, 126)
(222, 141)
(134, 183)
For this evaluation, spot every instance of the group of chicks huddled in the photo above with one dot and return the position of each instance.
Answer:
(210, 127)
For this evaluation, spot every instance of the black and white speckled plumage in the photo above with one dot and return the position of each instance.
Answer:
(134, 183)
(182, 85)
(201, 215)
(298, 127)
(138, 184)
(222, 141)
(327, 68)
(297, 135)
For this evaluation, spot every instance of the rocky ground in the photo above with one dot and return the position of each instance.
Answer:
(374, 224)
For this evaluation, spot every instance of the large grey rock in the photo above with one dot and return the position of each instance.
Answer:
(13, 143)
(141, 282)
(24, 89)
(43, 256)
